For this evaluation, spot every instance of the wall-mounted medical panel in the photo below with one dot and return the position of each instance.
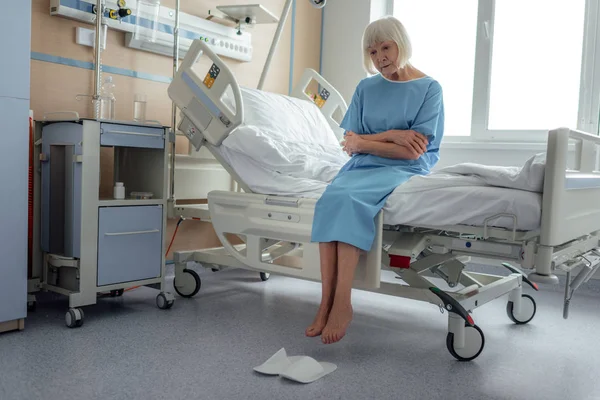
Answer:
(157, 35)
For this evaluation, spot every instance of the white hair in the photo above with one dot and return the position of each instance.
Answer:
(386, 28)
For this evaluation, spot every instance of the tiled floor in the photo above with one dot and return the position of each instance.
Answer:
(205, 347)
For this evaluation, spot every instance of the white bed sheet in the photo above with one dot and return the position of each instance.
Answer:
(286, 147)
(451, 196)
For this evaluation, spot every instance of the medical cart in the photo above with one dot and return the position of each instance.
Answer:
(91, 242)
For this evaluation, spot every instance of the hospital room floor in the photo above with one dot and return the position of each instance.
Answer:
(205, 347)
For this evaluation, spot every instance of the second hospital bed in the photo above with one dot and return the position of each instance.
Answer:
(283, 150)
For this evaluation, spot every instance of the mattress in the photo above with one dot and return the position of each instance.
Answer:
(285, 147)
(446, 198)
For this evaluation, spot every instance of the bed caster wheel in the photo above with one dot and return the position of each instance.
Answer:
(165, 300)
(527, 312)
(74, 318)
(264, 276)
(117, 293)
(188, 283)
(474, 342)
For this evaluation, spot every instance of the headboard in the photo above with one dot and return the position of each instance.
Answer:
(202, 93)
(328, 99)
(199, 91)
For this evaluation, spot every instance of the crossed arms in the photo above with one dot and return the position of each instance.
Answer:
(397, 144)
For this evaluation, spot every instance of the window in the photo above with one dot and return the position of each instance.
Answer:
(444, 48)
(533, 58)
(510, 69)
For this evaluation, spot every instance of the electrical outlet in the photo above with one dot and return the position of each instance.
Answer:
(87, 37)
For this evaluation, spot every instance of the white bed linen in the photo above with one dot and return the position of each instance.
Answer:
(443, 198)
(285, 147)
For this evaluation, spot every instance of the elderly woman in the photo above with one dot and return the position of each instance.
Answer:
(394, 126)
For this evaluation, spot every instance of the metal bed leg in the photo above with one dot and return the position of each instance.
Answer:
(543, 267)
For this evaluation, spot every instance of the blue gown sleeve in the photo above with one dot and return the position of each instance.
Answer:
(351, 121)
(430, 118)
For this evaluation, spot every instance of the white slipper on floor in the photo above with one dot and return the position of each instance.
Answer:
(307, 370)
(276, 364)
(301, 369)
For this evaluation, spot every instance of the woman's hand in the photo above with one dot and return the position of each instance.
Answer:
(414, 141)
(352, 143)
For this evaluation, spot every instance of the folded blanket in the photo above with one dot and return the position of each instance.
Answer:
(529, 177)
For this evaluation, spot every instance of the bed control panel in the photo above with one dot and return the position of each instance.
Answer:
(321, 98)
(212, 74)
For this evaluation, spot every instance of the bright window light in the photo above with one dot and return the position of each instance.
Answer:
(536, 64)
(443, 35)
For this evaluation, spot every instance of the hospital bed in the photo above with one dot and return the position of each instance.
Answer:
(557, 227)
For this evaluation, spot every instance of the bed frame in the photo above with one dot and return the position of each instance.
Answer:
(430, 261)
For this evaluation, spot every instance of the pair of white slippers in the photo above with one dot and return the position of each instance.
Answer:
(301, 369)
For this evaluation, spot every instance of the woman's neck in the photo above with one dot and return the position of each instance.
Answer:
(405, 74)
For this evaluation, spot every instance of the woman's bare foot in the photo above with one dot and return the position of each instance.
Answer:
(337, 323)
(320, 321)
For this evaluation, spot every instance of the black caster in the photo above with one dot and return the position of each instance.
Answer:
(188, 283)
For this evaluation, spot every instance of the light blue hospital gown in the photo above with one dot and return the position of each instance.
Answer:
(347, 209)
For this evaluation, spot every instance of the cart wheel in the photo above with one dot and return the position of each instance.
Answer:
(187, 284)
(474, 342)
(31, 305)
(528, 309)
(117, 293)
(74, 318)
(264, 276)
(165, 300)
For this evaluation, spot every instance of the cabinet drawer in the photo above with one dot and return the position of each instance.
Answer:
(132, 136)
(129, 243)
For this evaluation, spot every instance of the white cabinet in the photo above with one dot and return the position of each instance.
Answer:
(14, 114)
(15, 27)
(94, 244)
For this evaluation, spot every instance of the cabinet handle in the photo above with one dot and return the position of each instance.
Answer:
(134, 133)
(131, 233)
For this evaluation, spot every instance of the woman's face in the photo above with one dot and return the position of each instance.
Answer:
(385, 57)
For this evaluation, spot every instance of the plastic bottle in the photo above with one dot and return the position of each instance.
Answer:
(119, 191)
(107, 99)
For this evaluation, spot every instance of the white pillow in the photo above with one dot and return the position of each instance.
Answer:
(280, 132)
(284, 117)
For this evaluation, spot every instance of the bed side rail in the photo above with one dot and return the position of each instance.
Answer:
(328, 99)
(571, 197)
(263, 220)
(200, 97)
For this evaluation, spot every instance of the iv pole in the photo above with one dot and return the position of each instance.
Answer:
(174, 107)
(98, 59)
(275, 42)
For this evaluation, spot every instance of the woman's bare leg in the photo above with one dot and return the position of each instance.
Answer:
(328, 254)
(341, 311)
